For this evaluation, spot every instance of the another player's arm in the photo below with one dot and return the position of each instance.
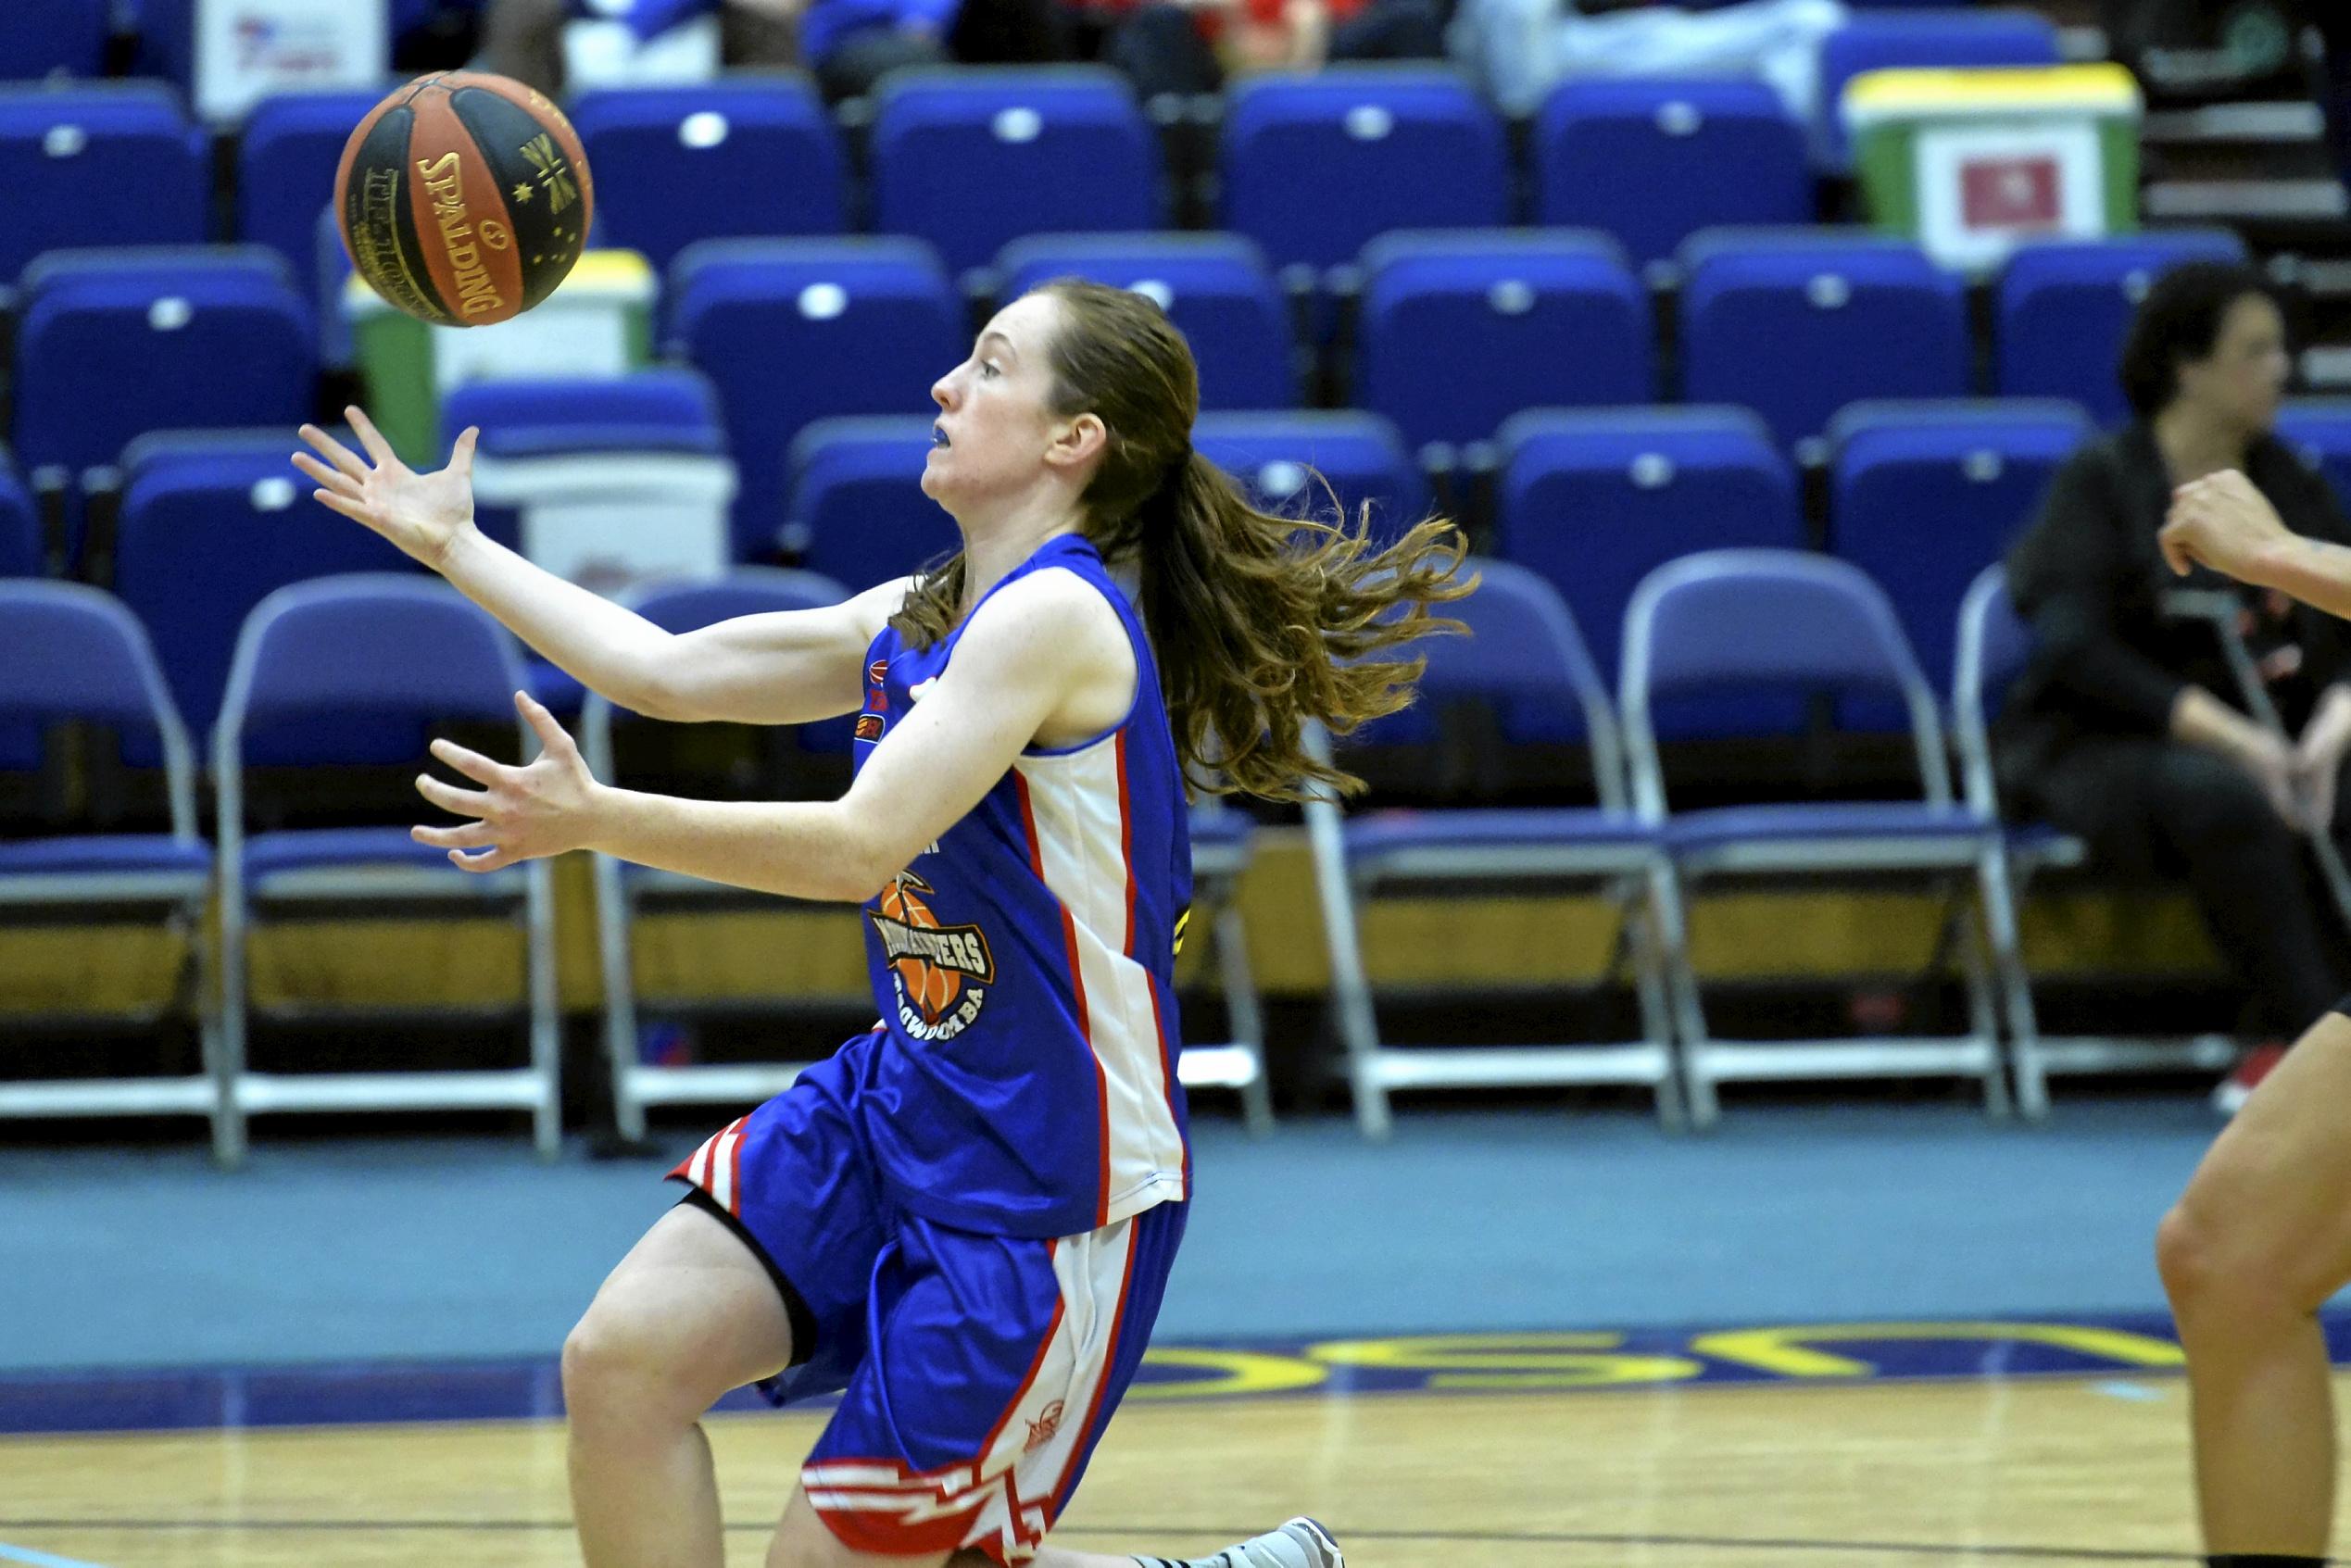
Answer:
(2222, 521)
(1031, 655)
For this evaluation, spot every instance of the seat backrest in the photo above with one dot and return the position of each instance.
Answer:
(287, 153)
(1594, 500)
(742, 157)
(54, 36)
(877, 316)
(1995, 644)
(671, 405)
(1215, 288)
(858, 513)
(1950, 36)
(113, 344)
(68, 651)
(97, 165)
(211, 524)
(972, 157)
(2064, 306)
(2319, 429)
(1276, 458)
(1923, 497)
(1866, 316)
(21, 545)
(1746, 618)
(1459, 332)
(1312, 167)
(1652, 161)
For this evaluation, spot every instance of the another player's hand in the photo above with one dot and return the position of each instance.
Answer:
(2221, 522)
(421, 513)
(545, 807)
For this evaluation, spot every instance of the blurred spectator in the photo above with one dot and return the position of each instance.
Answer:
(2128, 727)
(1519, 49)
(1193, 45)
(524, 39)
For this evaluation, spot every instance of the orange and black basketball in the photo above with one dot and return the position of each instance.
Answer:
(464, 198)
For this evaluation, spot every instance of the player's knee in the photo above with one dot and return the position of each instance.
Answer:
(614, 1365)
(2217, 1275)
(2184, 1257)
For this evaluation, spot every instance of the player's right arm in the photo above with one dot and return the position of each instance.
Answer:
(785, 668)
(2222, 521)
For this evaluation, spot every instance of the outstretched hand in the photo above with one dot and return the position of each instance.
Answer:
(424, 514)
(2221, 522)
(544, 807)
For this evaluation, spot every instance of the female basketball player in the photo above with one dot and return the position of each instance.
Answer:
(965, 1218)
(2262, 1236)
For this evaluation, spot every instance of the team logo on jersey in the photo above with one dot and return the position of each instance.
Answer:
(869, 726)
(877, 671)
(941, 972)
(1041, 1430)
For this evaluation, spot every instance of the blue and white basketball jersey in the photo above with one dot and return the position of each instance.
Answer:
(1024, 968)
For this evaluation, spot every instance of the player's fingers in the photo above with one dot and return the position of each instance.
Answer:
(472, 764)
(464, 802)
(343, 503)
(488, 860)
(548, 729)
(2174, 541)
(342, 457)
(371, 438)
(462, 455)
(470, 836)
(334, 479)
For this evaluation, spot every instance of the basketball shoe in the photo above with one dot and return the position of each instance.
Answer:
(1300, 1543)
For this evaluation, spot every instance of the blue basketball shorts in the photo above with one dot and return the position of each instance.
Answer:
(976, 1372)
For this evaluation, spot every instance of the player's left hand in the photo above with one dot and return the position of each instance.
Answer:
(2221, 522)
(545, 807)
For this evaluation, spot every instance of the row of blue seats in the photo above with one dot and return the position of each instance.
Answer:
(1922, 498)
(1452, 332)
(1310, 166)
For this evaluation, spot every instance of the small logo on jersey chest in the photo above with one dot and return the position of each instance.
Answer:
(877, 671)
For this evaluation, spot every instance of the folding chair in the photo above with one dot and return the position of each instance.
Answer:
(370, 645)
(1523, 648)
(1222, 842)
(624, 890)
(1993, 645)
(1782, 619)
(71, 653)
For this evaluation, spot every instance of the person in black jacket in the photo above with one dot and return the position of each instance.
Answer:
(2127, 728)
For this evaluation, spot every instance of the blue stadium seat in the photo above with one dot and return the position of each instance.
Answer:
(736, 158)
(1216, 288)
(287, 158)
(972, 159)
(1956, 36)
(858, 513)
(1596, 500)
(117, 164)
(46, 37)
(1275, 456)
(212, 524)
(2320, 428)
(21, 546)
(115, 344)
(1457, 332)
(1654, 161)
(1924, 496)
(1862, 315)
(2065, 306)
(1311, 168)
(792, 330)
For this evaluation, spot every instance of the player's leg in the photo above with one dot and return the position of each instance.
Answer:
(689, 1316)
(802, 1541)
(2258, 1243)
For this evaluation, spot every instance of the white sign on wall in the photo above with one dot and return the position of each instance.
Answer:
(1984, 188)
(248, 49)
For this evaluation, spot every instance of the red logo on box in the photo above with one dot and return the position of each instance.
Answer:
(2009, 193)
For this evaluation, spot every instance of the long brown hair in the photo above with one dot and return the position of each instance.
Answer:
(1259, 623)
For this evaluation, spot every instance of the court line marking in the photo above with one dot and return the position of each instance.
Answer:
(1949, 1550)
(39, 1559)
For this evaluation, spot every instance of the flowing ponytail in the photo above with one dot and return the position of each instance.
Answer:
(1259, 623)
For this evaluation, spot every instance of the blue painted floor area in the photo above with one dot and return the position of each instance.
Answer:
(1466, 1220)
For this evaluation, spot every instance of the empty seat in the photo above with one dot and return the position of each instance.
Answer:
(1457, 332)
(1797, 323)
(972, 159)
(1652, 162)
(117, 164)
(46, 37)
(1215, 288)
(1596, 500)
(738, 157)
(857, 514)
(792, 330)
(1953, 36)
(21, 545)
(1311, 168)
(287, 155)
(2320, 428)
(1277, 457)
(2065, 306)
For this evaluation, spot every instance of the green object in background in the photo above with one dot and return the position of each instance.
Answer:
(1970, 163)
(599, 322)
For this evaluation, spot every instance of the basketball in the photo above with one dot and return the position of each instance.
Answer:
(464, 198)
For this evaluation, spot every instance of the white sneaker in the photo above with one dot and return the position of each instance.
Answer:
(1300, 1543)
